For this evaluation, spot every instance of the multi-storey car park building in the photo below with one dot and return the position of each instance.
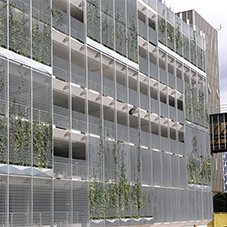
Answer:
(103, 115)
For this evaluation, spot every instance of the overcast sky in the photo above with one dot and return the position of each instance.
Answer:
(215, 13)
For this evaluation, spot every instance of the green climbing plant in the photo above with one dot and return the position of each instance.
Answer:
(93, 20)
(107, 28)
(193, 49)
(198, 165)
(132, 40)
(120, 32)
(196, 109)
(170, 33)
(3, 23)
(178, 38)
(42, 143)
(114, 198)
(19, 31)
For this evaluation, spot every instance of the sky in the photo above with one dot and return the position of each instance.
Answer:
(215, 13)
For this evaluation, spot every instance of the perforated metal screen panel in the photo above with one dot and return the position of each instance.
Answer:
(175, 170)
(192, 204)
(147, 170)
(114, 171)
(20, 39)
(3, 199)
(3, 36)
(157, 168)
(41, 31)
(80, 203)
(199, 205)
(166, 171)
(3, 111)
(42, 201)
(167, 204)
(148, 201)
(20, 201)
(20, 114)
(184, 204)
(176, 205)
(62, 202)
(93, 20)
(158, 205)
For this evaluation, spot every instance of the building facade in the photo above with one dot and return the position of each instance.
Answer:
(103, 115)
(199, 24)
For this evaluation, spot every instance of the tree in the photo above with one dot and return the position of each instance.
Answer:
(219, 201)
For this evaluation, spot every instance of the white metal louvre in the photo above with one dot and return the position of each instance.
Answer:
(62, 202)
(176, 196)
(147, 168)
(158, 205)
(20, 201)
(167, 204)
(192, 204)
(175, 171)
(157, 167)
(184, 199)
(166, 169)
(80, 203)
(42, 201)
(3, 197)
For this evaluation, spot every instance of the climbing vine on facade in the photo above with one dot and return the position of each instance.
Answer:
(114, 198)
(196, 110)
(198, 165)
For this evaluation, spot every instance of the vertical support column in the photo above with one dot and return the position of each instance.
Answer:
(87, 120)
(52, 114)
(126, 29)
(7, 200)
(31, 117)
(102, 136)
(149, 98)
(100, 21)
(70, 115)
(86, 109)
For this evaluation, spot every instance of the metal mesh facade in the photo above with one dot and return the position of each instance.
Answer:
(96, 127)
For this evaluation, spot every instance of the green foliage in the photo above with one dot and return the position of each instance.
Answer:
(219, 201)
(117, 195)
(162, 23)
(178, 38)
(196, 110)
(198, 166)
(42, 143)
(20, 135)
(3, 118)
(56, 15)
(93, 19)
(170, 33)
(3, 24)
(120, 32)
(107, 28)
(19, 30)
(193, 49)
(41, 42)
(132, 39)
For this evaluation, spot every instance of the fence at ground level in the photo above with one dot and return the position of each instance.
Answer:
(220, 220)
